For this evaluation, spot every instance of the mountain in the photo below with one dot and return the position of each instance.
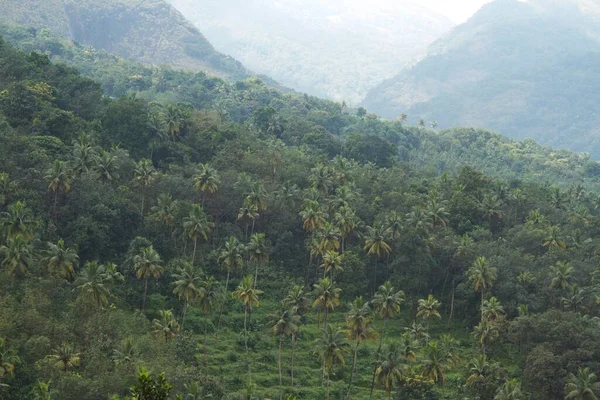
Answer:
(337, 49)
(526, 69)
(150, 31)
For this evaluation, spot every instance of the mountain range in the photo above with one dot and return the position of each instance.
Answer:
(338, 49)
(525, 69)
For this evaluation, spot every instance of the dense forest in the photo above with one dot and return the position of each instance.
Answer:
(169, 235)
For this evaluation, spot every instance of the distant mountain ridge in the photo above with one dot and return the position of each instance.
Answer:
(337, 49)
(150, 31)
(525, 69)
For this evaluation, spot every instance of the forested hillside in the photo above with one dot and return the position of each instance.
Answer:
(150, 31)
(178, 236)
(335, 49)
(525, 69)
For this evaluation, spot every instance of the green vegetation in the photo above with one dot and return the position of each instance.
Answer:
(203, 239)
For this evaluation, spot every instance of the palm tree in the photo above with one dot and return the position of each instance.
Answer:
(320, 178)
(574, 300)
(248, 212)
(210, 294)
(554, 240)
(248, 295)
(560, 275)
(165, 208)
(389, 373)
(174, 119)
(18, 220)
(393, 223)
(359, 321)
(147, 264)
(187, 286)
(257, 251)
(61, 260)
(231, 257)
(41, 391)
(143, 176)
(257, 197)
(478, 369)
(428, 308)
(285, 323)
(376, 245)
(417, 332)
(434, 362)
(196, 225)
(312, 216)
(5, 186)
(84, 155)
(482, 276)
(60, 179)
(485, 333)
(511, 390)
(582, 386)
(167, 325)
(126, 353)
(17, 256)
(492, 310)
(107, 167)
(8, 359)
(332, 261)
(92, 283)
(65, 356)
(297, 299)
(207, 180)
(328, 238)
(346, 221)
(438, 214)
(331, 349)
(327, 297)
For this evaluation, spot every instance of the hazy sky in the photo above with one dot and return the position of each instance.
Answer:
(457, 10)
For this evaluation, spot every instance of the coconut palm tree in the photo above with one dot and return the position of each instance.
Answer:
(65, 357)
(327, 297)
(59, 178)
(376, 244)
(312, 216)
(41, 391)
(482, 276)
(297, 299)
(258, 251)
(61, 260)
(511, 390)
(187, 284)
(485, 333)
(248, 213)
(434, 362)
(428, 308)
(478, 369)
(359, 321)
(417, 332)
(167, 325)
(16, 256)
(147, 264)
(249, 296)
(437, 211)
(107, 167)
(92, 283)
(231, 257)
(321, 178)
(582, 386)
(284, 323)
(332, 262)
(390, 372)
(560, 275)
(174, 120)
(8, 359)
(331, 349)
(492, 310)
(210, 293)
(257, 197)
(328, 238)
(84, 155)
(554, 240)
(346, 221)
(206, 180)
(165, 209)
(126, 353)
(18, 220)
(197, 225)
(5, 189)
(394, 226)
(143, 176)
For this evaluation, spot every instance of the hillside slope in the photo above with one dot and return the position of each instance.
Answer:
(150, 31)
(335, 49)
(524, 69)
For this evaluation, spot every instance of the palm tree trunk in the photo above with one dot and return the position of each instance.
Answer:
(353, 369)
(293, 353)
(221, 306)
(252, 232)
(204, 355)
(142, 208)
(185, 305)
(325, 312)
(451, 305)
(255, 275)
(246, 328)
(145, 292)
(54, 205)
(280, 375)
(378, 356)
(327, 383)
(195, 245)
(482, 295)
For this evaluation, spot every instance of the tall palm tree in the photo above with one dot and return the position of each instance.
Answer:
(196, 225)
(107, 167)
(187, 284)
(8, 359)
(147, 264)
(143, 176)
(5, 186)
(257, 196)
(327, 297)
(328, 238)
(65, 356)
(210, 294)
(331, 349)
(393, 224)
(582, 386)
(258, 251)
(434, 362)
(249, 296)
(231, 257)
(511, 390)
(359, 321)
(332, 262)
(312, 216)
(18, 220)
(492, 310)
(16, 256)
(417, 332)
(428, 308)
(126, 353)
(248, 213)
(207, 180)
(346, 221)
(485, 333)
(297, 299)
(376, 244)
(321, 178)
(59, 178)
(174, 119)
(61, 260)
(390, 372)
(554, 240)
(84, 155)
(284, 323)
(92, 283)
(478, 369)
(165, 208)
(437, 211)
(560, 275)
(482, 276)
(167, 325)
